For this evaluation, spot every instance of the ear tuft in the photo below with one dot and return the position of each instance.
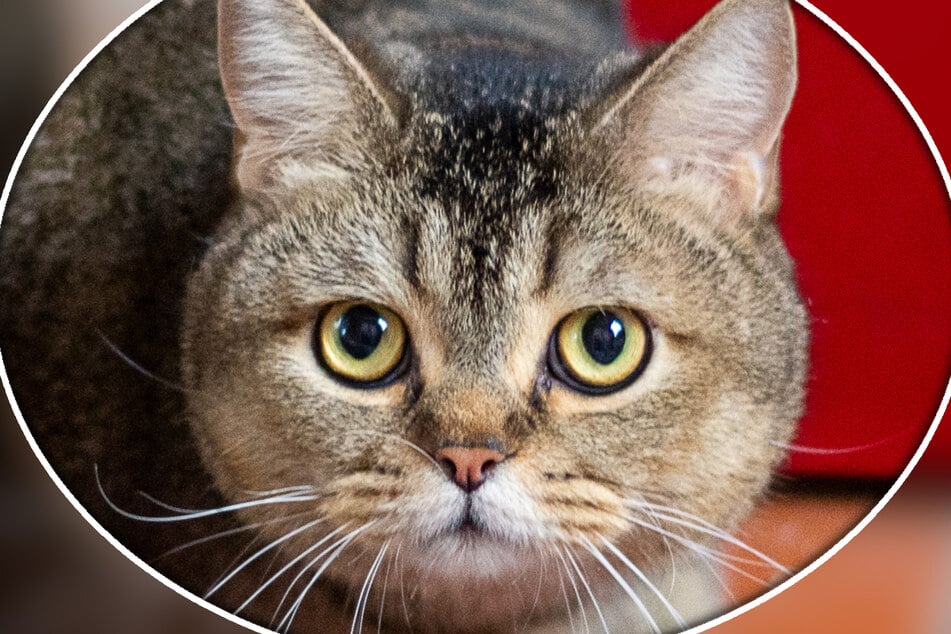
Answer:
(710, 110)
(298, 96)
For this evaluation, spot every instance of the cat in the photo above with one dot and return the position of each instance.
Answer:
(468, 316)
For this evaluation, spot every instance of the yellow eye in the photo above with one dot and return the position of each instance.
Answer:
(598, 350)
(361, 342)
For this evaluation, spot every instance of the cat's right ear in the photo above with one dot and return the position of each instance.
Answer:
(302, 102)
(706, 117)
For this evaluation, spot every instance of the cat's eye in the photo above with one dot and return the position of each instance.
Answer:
(361, 343)
(599, 350)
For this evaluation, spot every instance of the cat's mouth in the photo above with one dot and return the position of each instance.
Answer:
(468, 524)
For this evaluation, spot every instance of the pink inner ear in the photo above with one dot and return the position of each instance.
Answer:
(749, 174)
(661, 166)
(302, 100)
(711, 108)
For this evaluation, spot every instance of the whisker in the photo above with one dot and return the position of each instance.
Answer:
(564, 593)
(403, 589)
(640, 575)
(300, 488)
(166, 506)
(623, 583)
(288, 566)
(364, 597)
(188, 515)
(399, 439)
(292, 611)
(702, 526)
(303, 572)
(227, 533)
(571, 579)
(260, 553)
(738, 558)
(670, 551)
(386, 581)
(542, 569)
(587, 587)
(138, 368)
(698, 549)
(835, 451)
(236, 559)
(713, 556)
(719, 578)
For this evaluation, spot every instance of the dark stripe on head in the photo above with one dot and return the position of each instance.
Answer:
(411, 257)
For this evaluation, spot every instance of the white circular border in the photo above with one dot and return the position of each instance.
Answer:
(808, 6)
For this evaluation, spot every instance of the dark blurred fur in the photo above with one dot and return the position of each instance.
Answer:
(115, 200)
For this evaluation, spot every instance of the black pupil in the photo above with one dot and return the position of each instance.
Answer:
(361, 328)
(603, 337)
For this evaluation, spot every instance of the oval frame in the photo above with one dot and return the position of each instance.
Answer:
(729, 615)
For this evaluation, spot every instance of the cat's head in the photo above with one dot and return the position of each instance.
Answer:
(481, 335)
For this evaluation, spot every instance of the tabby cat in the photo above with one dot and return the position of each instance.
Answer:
(456, 316)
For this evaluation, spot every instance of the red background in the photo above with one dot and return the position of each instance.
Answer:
(866, 217)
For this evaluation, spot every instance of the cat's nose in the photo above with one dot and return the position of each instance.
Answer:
(468, 466)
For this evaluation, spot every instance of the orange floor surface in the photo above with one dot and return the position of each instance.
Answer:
(893, 577)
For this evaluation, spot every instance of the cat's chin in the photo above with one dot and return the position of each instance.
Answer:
(471, 552)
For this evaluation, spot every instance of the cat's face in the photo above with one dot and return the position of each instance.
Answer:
(487, 355)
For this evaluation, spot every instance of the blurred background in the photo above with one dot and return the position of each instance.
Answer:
(59, 575)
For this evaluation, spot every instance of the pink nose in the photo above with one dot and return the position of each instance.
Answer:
(468, 466)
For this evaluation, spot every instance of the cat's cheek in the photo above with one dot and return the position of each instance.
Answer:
(510, 510)
(414, 507)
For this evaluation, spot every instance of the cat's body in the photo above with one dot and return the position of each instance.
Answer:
(482, 170)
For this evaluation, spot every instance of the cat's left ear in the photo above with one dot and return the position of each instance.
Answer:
(708, 113)
(302, 102)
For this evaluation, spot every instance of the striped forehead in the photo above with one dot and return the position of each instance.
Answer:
(477, 274)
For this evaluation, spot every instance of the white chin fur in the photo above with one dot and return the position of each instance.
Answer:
(508, 523)
(471, 555)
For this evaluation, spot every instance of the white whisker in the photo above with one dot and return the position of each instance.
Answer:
(698, 549)
(300, 488)
(261, 552)
(623, 583)
(399, 439)
(360, 610)
(670, 551)
(236, 560)
(719, 578)
(836, 451)
(702, 526)
(188, 516)
(288, 566)
(713, 556)
(306, 568)
(190, 511)
(386, 581)
(403, 589)
(292, 611)
(564, 593)
(538, 589)
(138, 368)
(571, 579)
(222, 534)
(640, 575)
(587, 587)
(169, 507)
